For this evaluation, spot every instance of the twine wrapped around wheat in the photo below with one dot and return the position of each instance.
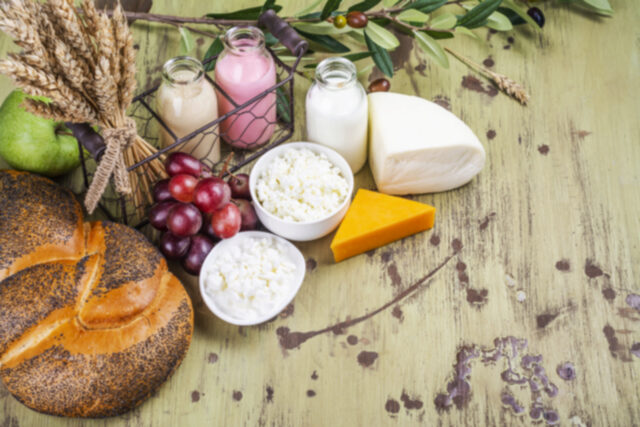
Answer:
(84, 63)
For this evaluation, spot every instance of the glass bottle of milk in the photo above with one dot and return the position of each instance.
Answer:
(337, 111)
(186, 102)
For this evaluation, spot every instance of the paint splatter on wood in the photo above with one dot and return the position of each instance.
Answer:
(410, 403)
(314, 375)
(591, 270)
(367, 358)
(269, 397)
(195, 396)
(434, 240)
(396, 279)
(618, 351)
(397, 313)
(311, 265)
(443, 101)
(566, 371)
(491, 134)
(237, 395)
(488, 62)
(520, 370)
(352, 339)
(543, 149)
(471, 83)
(392, 406)
(212, 358)
(633, 301)
(563, 265)
(484, 222)
(287, 312)
(311, 393)
(289, 340)
(543, 320)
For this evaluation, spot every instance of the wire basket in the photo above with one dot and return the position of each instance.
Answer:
(272, 110)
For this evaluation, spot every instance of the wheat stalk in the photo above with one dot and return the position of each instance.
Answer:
(85, 65)
(504, 83)
(124, 43)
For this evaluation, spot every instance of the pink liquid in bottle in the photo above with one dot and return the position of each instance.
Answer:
(245, 70)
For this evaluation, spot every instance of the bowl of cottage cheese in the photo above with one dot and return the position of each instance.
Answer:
(301, 190)
(251, 277)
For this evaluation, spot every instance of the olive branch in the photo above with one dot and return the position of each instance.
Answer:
(370, 25)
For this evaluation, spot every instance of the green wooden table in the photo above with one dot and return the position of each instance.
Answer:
(542, 246)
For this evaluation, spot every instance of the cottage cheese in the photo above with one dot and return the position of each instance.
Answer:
(300, 186)
(251, 279)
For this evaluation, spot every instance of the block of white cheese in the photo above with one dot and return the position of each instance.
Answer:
(416, 146)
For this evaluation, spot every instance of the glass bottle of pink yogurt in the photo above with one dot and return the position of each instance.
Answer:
(244, 70)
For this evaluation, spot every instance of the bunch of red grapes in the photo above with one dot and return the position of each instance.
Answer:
(194, 209)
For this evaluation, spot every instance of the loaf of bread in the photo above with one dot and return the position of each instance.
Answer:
(91, 320)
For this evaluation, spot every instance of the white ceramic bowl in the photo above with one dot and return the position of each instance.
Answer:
(294, 255)
(301, 231)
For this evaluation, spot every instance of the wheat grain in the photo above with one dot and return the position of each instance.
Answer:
(124, 41)
(43, 109)
(509, 86)
(106, 92)
(72, 30)
(504, 83)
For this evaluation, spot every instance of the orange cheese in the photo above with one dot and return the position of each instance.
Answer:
(375, 219)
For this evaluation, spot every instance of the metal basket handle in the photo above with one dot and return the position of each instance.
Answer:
(283, 32)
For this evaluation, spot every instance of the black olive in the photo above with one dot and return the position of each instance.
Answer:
(537, 15)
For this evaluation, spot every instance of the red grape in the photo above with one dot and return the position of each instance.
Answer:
(200, 248)
(183, 163)
(184, 220)
(174, 247)
(161, 191)
(159, 212)
(226, 221)
(240, 186)
(247, 213)
(182, 187)
(211, 194)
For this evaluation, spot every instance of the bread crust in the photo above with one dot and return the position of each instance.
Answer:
(108, 322)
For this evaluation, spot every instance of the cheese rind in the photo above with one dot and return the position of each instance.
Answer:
(416, 146)
(376, 219)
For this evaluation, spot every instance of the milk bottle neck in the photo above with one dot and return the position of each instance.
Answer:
(244, 41)
(336, 73)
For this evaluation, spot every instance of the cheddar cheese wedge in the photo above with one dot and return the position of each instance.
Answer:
(376, 219)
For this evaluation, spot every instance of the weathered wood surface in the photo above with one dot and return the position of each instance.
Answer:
(542, 246)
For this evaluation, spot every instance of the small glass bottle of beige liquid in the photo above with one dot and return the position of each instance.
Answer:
(186, 102)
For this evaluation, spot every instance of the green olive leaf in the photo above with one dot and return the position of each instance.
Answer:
(187, 43)
(214, 50)
(432, 48)
(322, 28)
(283, 106)
(499, 22)
(389, 3)
(510, 4)
(426, 6)
(252, 13)
(413, 16)
(600, 6)
(444, 21)
(268, 4)
(327, 42)
(308, 8)
(477, 16)
(357, 34)
(363, 6)
(381, 36)
(467, 32)
(380, 56)
(329, 6)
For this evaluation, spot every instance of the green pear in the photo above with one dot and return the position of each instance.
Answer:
(32, 143)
